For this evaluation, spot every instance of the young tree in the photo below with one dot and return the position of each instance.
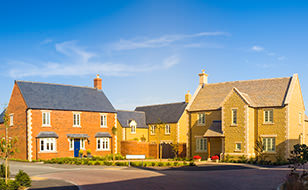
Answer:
(114, 132)
(7, 145)
(259, 148)
(160, 126)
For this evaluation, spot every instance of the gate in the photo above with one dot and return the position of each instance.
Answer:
(167, 151)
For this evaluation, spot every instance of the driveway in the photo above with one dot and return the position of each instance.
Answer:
(207, 176)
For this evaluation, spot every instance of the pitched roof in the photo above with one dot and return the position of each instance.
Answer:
(214, 130)
(2, 116)
(166, 113)
(125, 117)
(64, 97)
(259, 93)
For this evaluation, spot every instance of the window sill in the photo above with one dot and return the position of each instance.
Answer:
(102, 150)
(237, 150)
(201, 151)
(274, 152)
(78, 126)
(46, 125)
(201, 124)
(168, 134)
(104, 126)
(234, 125)
(268, 123)
(47, 152)
(133, 133)
(153, 134)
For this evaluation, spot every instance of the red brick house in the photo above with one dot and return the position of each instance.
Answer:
(54, 120)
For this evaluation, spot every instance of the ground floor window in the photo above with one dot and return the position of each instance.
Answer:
(201, 144)
(238, 146)
(103, 143)
(48, 144)
(269, 144)
(82, 143)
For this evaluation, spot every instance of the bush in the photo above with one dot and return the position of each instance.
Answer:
(13, 185)
(192, 163)
(2, 171)
(23, 179)
(175, 163)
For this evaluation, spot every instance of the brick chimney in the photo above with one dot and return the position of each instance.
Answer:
(98, 82)
(203, 77)
(187, 97)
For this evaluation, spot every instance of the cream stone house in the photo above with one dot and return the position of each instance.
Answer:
(229, 117)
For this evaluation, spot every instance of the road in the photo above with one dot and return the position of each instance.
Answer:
(208, 176)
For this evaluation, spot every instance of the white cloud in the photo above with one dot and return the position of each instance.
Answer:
(80, 62)
(281, 58)
(257, 48)
(46, 41)
(162, 41)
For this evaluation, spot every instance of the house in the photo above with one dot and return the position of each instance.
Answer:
(55, 120)
(228, 118)
(167, 124)
(131, 126)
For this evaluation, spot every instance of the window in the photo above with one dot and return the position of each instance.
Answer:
(167, 129)
(103, 120)
(269, 144)
(11, 119)
(238, 146)
(77, 119)
(201, 144)
(102, 144)
(82, 143)
(234, 116)
(268, 116)
(133, 128)
(48, 145)
(46, 118)
(201, 118)
(300, 118)
(152, 130)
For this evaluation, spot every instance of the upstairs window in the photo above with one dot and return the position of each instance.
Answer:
(234, 117)
(167, 130)
(103, 120)
(153, 130)
(268, 116)
(77, 119)
(46, 118)
(201, 118)
(11, 119)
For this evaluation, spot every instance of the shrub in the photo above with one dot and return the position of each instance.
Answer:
(97, 163)
(175, 163)
(2, 171)
(191, 163)
(243, 159)
(88, 151)
(215, 157)
(160, 164)
(13, 185)
(197, 157)
(23, 179)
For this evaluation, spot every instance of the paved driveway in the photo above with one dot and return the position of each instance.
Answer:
(202, 177)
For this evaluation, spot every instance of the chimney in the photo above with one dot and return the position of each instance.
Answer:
(187, 97)
(98, 82)
(203, 77)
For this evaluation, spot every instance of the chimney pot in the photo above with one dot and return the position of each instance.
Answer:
(98, 82)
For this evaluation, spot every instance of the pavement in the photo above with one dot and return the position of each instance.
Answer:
(203, 176)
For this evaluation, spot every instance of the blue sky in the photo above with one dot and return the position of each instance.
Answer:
(151, 52)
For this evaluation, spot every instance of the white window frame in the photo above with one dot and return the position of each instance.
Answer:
(236, 147)
(153, 128)
(201, 144)
(82, 143)
(77, 122)
(267, 120)
(49, 145)
(269, 144)
(11, 119)
(234, 122)
(167, 129)
(103, 120)
(46, 118)
(133, 129)
(201, 118)
(103, 144)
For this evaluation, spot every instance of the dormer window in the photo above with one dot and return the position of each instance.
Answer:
(133, 125)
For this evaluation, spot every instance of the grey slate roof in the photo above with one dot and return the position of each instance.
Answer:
(2, 116)
(102, 134)
(166, 113)
(47, 134)
(64, 97)
(77, 135)
(125, 117)
(214, 130)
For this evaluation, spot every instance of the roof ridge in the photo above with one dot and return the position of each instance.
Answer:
(56, 84)
(246, 80)
(130, 111)
(160, 104)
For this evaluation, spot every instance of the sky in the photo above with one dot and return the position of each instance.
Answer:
(151, 52)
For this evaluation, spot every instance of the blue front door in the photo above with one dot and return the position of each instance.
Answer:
(76, 147)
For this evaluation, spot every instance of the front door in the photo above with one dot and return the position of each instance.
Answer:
(76, 147)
